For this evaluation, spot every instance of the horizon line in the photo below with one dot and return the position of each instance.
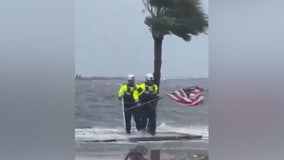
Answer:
(169, 77)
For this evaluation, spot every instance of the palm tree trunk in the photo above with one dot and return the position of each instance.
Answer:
(158, 40)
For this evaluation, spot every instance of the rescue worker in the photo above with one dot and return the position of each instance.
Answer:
(126, 92)
(147, 91)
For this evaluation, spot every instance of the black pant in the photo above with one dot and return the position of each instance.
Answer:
(148, 116)
(136, 115)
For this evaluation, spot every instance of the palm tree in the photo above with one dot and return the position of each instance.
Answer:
(183, 18)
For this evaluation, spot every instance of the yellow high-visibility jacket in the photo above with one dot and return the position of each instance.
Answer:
(126, 91)
(145, 89)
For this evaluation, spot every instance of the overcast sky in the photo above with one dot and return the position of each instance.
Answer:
(112, 40)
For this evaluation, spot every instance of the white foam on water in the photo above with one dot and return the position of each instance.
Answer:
(119, 133)
(197, 130)
(98, 133)
(103, 133)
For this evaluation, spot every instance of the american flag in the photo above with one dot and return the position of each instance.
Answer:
(191, 96)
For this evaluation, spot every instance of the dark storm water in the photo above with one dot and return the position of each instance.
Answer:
(99, 116)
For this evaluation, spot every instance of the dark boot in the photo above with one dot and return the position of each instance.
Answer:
(137, 118)
(127, 122)
(151, 128)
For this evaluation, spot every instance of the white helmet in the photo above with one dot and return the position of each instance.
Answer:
(149, 76)
(130, 77)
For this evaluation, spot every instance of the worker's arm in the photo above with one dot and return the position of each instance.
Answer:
(138, 92)
(156, 91)
(121, 91)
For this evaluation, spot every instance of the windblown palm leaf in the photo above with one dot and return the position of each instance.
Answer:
(183, 18)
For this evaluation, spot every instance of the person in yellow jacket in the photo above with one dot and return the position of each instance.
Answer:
(126, 92)
(147, 91)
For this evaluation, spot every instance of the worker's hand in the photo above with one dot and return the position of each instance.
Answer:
(119, 98)
(154, 95)
(137, 103)
(153, 105)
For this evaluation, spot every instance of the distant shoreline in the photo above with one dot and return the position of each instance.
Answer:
(99, 78)
(123, 78)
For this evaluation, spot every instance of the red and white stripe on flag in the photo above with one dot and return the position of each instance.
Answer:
(191, 96)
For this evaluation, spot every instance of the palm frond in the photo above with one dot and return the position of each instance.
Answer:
(183, 18)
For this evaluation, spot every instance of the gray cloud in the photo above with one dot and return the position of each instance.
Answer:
(112, 40)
